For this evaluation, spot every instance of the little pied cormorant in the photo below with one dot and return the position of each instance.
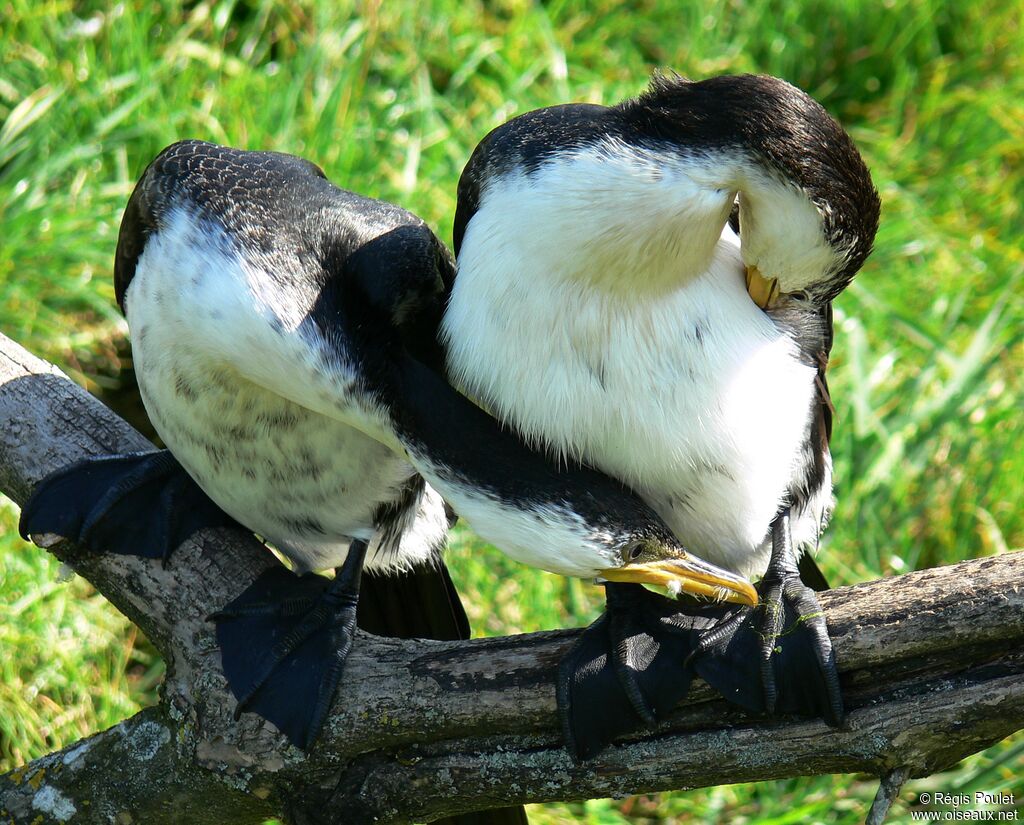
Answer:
(647, 288)
(285, 339)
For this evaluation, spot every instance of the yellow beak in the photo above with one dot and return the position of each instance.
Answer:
(687, 575)
(763, 291)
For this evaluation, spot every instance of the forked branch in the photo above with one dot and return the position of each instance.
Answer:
(932, 665)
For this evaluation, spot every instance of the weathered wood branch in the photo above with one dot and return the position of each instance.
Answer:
(932, 666)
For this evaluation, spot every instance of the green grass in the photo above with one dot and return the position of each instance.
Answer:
(390, 99)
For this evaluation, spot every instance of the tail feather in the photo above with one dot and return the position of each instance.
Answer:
(810, 573)
(421, 603)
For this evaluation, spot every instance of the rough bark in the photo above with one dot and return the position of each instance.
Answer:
(932, 665)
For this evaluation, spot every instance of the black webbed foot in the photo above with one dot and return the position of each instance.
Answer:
(284, 643)
(636, 662)
(776, 657)
(628, 668)
(141, 504)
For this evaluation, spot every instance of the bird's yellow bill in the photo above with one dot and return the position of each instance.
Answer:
(763, 291)
(687, 575)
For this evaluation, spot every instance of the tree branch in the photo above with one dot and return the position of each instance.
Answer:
(932, 665)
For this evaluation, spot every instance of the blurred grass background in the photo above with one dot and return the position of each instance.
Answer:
(390, 99)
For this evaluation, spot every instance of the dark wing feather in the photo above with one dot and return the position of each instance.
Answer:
(821, 423)
(333, 249)
(818, 447)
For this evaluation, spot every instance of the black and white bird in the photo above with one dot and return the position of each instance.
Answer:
(647, 288)
(285, 339)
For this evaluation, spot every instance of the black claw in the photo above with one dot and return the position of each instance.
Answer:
(628, 669)
(770, 631)
(141, 504)
(785, 635)
(284, 643)
(591, 703)
(635, 663)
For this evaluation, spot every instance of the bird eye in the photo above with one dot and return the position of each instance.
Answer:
(635, 551)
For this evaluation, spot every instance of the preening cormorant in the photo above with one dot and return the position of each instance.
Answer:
(647, 288)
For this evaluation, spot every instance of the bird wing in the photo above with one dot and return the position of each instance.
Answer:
(818, 449)
(329, 280)
(821, 427)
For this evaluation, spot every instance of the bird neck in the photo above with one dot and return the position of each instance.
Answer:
(561, 519)
(810, 206)
(618, 219)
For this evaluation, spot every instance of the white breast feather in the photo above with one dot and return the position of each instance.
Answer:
(246, 405)
(650, 362)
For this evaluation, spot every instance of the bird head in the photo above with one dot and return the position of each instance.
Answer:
(583, 524)
(635, 197)
(805, 203)
(665, 563)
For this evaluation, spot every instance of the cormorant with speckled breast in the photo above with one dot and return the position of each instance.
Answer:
(647, 288)
(285, 340)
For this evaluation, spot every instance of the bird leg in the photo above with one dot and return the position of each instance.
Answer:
(636, 662)
(284, 642)
(785, 635)
(628, 668)
(139, 504)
